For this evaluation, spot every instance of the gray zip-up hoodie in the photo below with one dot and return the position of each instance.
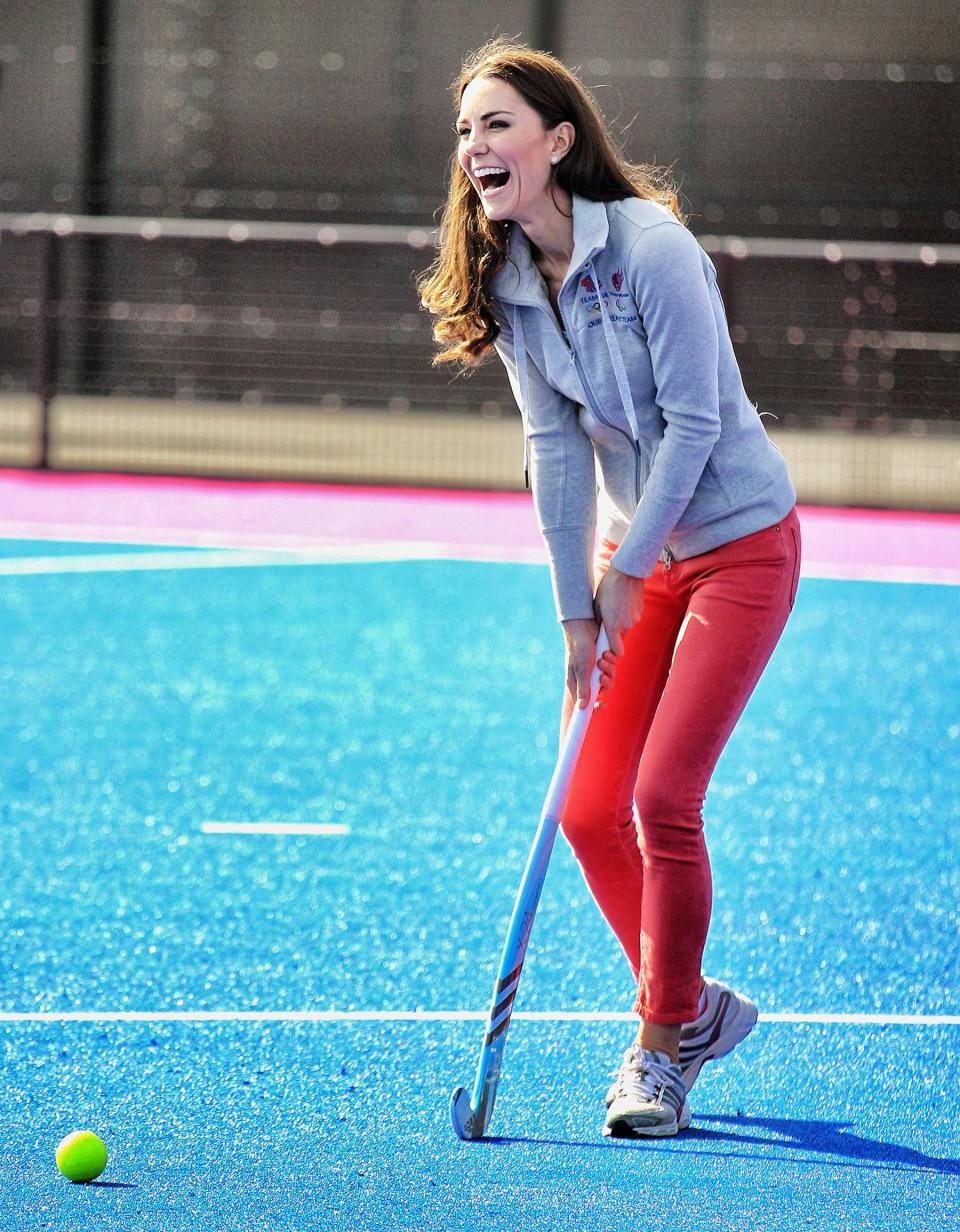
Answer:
(640, 391)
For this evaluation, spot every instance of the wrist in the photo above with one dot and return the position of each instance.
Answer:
(581, 627)
(619, 578)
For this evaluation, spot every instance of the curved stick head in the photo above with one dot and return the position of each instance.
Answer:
(462, 1116)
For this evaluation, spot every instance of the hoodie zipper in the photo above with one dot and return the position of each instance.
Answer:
(594, 407)
(564, 333)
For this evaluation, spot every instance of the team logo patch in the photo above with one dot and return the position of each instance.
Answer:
(622, 309)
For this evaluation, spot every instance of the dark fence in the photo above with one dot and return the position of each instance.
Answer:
(861, 336)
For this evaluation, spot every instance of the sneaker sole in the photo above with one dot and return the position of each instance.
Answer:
(734, 1032)
(636, 1128)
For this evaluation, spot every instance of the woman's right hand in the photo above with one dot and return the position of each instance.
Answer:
(581, 638)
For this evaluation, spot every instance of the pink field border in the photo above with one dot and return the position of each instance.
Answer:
(881, 545)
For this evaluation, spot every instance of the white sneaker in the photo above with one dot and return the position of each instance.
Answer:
(648, 1096)
(727, 1019)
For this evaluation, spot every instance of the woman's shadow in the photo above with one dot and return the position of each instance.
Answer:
(817, 1137)
(826, 1138)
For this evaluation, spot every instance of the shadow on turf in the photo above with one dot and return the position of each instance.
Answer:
(828, 1138)
(817, 1137)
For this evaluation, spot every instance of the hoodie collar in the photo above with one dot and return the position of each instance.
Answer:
(519, 280)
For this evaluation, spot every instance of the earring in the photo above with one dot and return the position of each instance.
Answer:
(553, 160)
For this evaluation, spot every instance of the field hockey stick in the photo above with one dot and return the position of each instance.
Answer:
(471, 1114)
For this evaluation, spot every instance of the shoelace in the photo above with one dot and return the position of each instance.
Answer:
(642, 1073)
(619, 1075)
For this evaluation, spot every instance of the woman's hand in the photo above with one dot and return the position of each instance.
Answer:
(581, 637)
(618, 603)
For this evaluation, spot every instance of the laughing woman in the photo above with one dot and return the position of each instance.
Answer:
(576, 266)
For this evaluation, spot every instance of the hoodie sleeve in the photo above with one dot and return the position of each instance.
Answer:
(673, 295)
(563, 479)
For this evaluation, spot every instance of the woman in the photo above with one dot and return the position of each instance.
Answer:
(577, 267)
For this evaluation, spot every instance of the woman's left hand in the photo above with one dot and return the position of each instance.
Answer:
(618, 604)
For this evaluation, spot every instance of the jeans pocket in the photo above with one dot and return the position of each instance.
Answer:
(795, 535)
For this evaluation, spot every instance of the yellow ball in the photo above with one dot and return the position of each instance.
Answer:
(81, 1156)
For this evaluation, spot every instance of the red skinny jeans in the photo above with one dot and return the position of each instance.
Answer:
(634, 816)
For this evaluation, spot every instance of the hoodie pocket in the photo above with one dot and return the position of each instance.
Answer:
(712, 474)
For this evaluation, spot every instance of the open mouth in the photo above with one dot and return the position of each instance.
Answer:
(492, 179)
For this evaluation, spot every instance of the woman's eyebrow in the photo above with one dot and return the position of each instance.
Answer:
(487, 115)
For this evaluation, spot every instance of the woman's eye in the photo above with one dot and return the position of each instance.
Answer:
(465, 132)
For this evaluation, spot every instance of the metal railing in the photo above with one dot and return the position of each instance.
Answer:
(825, 331)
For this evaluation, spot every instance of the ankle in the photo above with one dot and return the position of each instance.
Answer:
(660, 1037)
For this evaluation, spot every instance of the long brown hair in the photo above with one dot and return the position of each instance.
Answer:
(471, 247)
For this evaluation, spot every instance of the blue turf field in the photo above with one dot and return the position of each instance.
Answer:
(415, 704)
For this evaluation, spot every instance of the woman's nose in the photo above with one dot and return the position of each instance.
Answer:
(474, 145)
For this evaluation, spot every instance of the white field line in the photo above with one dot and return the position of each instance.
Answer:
(359, 1016)
(326, 828)
(143, 562)
(847, 572)
(168, 536)
(315, 548)
(284, 554)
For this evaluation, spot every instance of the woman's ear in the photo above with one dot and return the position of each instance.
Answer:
(564, 135)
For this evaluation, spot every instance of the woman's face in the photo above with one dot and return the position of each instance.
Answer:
(505, 150)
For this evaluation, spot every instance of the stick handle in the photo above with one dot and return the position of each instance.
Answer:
(573, 742)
